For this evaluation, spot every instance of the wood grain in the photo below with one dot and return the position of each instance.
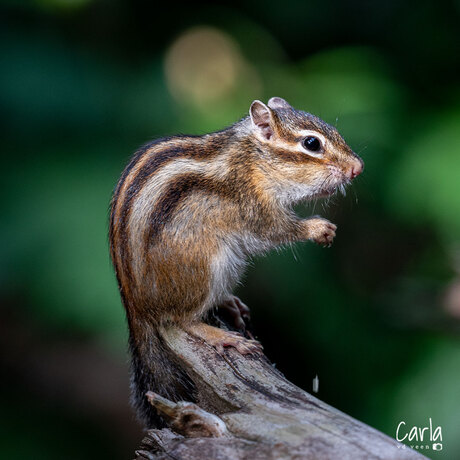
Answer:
(264, 415)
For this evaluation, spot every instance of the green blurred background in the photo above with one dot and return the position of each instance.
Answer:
(376, 317)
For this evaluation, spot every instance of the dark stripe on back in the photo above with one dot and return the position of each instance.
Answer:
(113, 203)
(181, 149)
(132, 162)
(177, 191)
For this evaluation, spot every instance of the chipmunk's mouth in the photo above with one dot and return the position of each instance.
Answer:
(330, 189)
(335, 181)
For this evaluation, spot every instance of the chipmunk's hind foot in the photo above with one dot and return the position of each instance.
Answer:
(220, 339)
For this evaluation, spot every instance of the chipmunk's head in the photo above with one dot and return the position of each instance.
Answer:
(304, 156)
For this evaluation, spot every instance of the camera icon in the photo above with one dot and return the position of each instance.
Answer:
(437, 446)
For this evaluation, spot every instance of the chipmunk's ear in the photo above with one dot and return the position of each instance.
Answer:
(278, 103)
(262, 119)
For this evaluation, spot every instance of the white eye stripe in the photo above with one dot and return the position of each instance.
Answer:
(310, 132)
(298, 147)
(310, 153)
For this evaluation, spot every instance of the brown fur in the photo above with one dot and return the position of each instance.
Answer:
(187, 211)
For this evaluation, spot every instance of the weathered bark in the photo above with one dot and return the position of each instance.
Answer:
(258, 414)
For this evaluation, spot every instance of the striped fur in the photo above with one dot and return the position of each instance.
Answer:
(188, 211)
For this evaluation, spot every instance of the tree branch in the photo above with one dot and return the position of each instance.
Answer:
(246, 409)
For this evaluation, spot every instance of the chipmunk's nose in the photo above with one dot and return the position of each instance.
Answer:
(355, 169)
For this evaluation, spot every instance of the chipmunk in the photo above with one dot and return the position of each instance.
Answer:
(187, 213)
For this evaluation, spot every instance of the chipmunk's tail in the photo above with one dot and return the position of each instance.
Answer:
(154, 368)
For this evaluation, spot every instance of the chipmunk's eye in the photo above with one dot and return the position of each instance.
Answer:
(312, 143)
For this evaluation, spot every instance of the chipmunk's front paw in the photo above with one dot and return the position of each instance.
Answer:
(237, 311)
(321, 231)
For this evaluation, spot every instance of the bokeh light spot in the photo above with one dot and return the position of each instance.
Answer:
(204, 66)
